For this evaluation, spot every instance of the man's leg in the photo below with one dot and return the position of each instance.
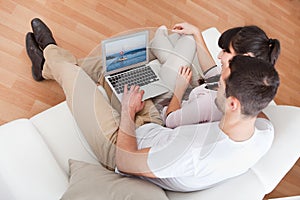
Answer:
(92, 65)
(149, 114)
(95, 117)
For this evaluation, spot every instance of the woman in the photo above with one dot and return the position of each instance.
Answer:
(200, 106)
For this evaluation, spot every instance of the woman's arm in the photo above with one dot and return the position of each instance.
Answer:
(182, 82)
(204, 57)
(198, 109)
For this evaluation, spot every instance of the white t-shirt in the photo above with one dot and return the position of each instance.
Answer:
(196, 157)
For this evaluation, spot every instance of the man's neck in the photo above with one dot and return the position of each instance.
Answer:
(238, 129)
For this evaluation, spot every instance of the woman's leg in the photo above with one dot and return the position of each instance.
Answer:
(173, 51)
(182, 55)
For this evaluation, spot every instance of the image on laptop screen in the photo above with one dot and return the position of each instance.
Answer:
(125, 51)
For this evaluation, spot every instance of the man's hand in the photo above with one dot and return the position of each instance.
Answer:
(132, 101)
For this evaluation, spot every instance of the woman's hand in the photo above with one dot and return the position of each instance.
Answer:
(183, 80)
(186, 28)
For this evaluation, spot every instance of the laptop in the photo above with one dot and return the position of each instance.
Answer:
(125, 61)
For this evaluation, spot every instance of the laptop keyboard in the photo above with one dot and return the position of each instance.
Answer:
(140, 76)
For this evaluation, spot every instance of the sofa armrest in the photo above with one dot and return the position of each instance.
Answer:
(28, 169)
(211, 37)
(285, 150)
(246, 187)
(59, 130)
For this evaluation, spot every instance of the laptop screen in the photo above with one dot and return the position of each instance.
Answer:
(125, 52)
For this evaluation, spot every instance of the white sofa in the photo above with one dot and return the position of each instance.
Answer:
(34, 155)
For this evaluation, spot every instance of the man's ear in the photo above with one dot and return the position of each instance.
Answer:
(233, 104)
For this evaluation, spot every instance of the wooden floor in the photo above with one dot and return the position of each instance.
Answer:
(79, 26)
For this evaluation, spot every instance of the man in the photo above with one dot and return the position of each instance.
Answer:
(187, 158)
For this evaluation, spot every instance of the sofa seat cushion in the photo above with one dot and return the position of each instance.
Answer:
(94, 182)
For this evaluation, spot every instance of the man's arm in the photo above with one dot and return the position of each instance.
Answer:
(129, 159)
(204, 57)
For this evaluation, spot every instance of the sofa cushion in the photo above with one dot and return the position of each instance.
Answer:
(28, 169)
(94, 182)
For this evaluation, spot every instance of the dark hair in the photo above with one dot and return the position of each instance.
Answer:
(250, 39)
(254, 82)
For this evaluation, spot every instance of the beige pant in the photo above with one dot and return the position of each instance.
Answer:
(96, 118)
